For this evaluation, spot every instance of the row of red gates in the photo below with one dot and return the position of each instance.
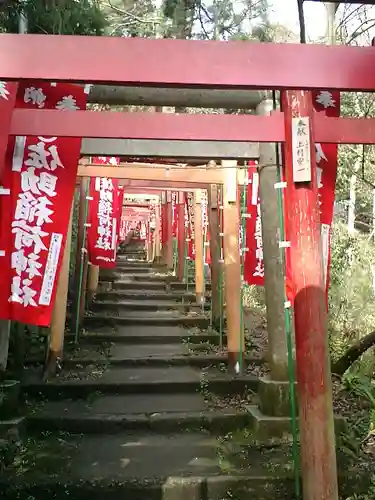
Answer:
(37, 188)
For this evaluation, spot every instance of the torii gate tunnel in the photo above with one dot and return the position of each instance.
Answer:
(214, 65)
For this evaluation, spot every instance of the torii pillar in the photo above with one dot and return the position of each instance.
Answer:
(181, 235)
(80, 259)
(163, 223)
(169, 232)
(157, 257)
(314, 383)
(232, 267)
(213, 221)
(57, 327)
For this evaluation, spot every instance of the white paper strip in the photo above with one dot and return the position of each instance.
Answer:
(255, 189)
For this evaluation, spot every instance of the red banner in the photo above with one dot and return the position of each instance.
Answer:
(206, 232)
(190, 235)
(119, 213)
(174, 213)
(253, 259)
(326, 162)
(163, 221)
(103, 217)
(38, 184)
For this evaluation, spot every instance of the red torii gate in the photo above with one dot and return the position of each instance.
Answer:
(222, 65)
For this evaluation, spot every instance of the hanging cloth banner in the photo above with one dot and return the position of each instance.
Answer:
(206, 232)
(104, 200)
(36, 197)
(119, 213)
(174, 213)
(326, 163)
(123, 229)
(189, 200)
(163, 222)
(142, 230)
(253, 258)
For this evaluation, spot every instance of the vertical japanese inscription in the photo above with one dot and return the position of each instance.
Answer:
(34, 211)
(35, 247)
(106, 228)
(259, 268)
(301, 149)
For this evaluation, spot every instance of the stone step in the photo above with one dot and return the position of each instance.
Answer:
(146, 276)
(137, 380)
(120, 275)
(160, 295)
(139, 256)
(152, 285)
(145, 334)
(167, 318)
(146, 304)
(139, 412)
(151, 361)
(139, 466)
(138, 264)
(127, 268)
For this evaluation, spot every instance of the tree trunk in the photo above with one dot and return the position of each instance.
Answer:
(353, 353)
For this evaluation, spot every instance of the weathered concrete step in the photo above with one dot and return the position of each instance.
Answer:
(152, 285)
(151, 467)
(146, 304)
(138, 256)
(119, 275)
(139, 268)
(151, 361)
(146, 334)
(137, 380)
(124, 260)
(161, 295)
(65, 418)
(155, 319)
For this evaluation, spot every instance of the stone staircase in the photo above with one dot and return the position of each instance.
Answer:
(142, 410)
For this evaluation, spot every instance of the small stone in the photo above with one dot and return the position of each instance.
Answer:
(124, 462)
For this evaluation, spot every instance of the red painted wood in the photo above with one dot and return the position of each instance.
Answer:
(181, 236)
(169, 126)
(164, 62)
(344, 130)
(148, 125)
(318, 458)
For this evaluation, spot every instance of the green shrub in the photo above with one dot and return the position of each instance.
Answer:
(351, 295)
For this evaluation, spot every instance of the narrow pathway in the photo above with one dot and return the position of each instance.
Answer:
(136, 413)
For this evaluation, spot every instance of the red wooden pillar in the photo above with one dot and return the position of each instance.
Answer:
(163, 222)
(169, 232)
(181, 234)
(305, 272)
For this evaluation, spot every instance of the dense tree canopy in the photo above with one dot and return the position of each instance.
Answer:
(76, 17)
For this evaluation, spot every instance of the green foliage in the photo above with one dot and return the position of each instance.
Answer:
(358, 161)
(361, 428)
(67, 17)
(351, 298)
